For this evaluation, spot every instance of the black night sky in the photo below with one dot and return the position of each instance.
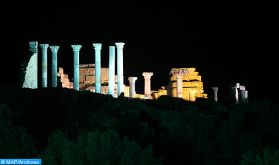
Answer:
(227, 43)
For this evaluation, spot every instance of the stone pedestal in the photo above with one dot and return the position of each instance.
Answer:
(44, 64)
(54, 50)
(120, 76)
(76, 49)
(147, 84)
(97, 48)
(215, 92)
(111, 82)
(132, 82)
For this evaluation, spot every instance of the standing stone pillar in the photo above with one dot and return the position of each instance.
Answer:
(76, 49)
(246, 96)
(179, 86)
(111, 82)
(234, 94)
(44, 64)
(132, 82)
(147, 84)
(31, 72)
(97, 48)
(215, 92)
(120, 76)
(54, 50)
(243, 94)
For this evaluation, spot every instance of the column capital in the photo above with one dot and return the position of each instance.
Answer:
(76, 48)
(215, 88)
(147, 75)
(132, 79)
(120, 45)
(97, 46)
(54, 49)
(44, 46)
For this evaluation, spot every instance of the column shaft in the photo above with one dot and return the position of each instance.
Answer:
(54, 50)
(76, 49)
(215, 92)
(132, 83)
(147, 83)
(111, 70)
(44, 64)
(120, 76)
(97, 48)
(179, 86)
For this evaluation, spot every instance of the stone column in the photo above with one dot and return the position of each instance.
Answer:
(234, 94)
(246, 96)
(44, 64)
(111, 82)
(215, 92)
(54, 50)
(76, 49)
(98, 82)
(132, 82)
(179, 86)
(120, 76)
(147, 84)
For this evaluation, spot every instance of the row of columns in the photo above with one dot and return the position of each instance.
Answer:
(76, 50)
(147, 85)
(236, 91)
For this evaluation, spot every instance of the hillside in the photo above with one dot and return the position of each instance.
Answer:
(68, 127)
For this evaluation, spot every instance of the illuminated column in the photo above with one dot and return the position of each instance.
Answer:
(111, 70)
(132, 82)
(147, 83)
(120, 77)
(44, 64)
(215, 91)
(97, 48)
(243, 94)
(76, 49)
(246, 96)
(179, 85)
(234, 93)
(54, 50)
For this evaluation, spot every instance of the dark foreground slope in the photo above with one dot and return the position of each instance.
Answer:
(69, 127)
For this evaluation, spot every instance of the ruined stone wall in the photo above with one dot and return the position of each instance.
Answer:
(87, 78)
(191, 82)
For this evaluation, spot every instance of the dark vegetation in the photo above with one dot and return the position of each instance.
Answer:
(69, 127)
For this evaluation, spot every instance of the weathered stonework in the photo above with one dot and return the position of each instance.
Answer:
(192, 86)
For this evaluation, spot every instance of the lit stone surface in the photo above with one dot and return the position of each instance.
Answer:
(192, 86)
(111, 83)
(54, 50)
(31, 72)
(97, 48)
(120, 76)
(132, 82)
(147, 84)
(76, 49)
(179, 88)
(44, 64)
(215, 92)
(234, 94)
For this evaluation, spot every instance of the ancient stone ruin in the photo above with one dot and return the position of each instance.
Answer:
(185, 83)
